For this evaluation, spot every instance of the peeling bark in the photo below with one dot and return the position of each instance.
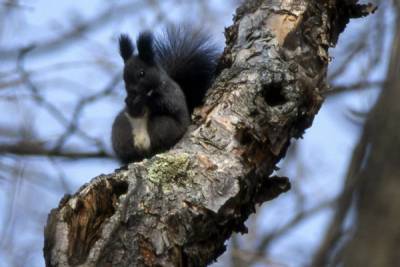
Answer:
(179, 208)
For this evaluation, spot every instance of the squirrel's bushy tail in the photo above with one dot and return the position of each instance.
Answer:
(189, 57)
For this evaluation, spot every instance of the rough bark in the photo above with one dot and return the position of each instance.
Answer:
(179, 208)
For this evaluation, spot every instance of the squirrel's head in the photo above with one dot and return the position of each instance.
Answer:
(141, 74)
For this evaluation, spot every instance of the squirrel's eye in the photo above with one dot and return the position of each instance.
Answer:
(141, 73)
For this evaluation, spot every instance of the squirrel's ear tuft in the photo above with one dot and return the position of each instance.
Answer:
(126, 47)
(145, 47)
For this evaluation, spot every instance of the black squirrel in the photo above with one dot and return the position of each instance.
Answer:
(164, 82)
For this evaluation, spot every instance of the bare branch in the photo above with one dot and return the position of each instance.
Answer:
(66, 38)
(48, 105)
(38, 149)
(338, 89)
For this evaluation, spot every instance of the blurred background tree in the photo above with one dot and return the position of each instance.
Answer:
(61, 86)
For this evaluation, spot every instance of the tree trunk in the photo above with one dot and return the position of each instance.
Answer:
(376, 240)
(178, 208)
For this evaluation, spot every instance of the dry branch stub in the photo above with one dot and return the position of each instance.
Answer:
(179, 208)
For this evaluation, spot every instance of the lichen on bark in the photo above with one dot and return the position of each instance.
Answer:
(167, 168)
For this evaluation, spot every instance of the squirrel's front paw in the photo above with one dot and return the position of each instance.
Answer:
(135, 105)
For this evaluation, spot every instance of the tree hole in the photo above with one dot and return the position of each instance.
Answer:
(120, 188)
(272, 94)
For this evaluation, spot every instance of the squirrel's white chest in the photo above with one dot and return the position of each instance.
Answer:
(140, 134)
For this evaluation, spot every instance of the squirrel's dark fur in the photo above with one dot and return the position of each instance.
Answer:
(164, 82)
